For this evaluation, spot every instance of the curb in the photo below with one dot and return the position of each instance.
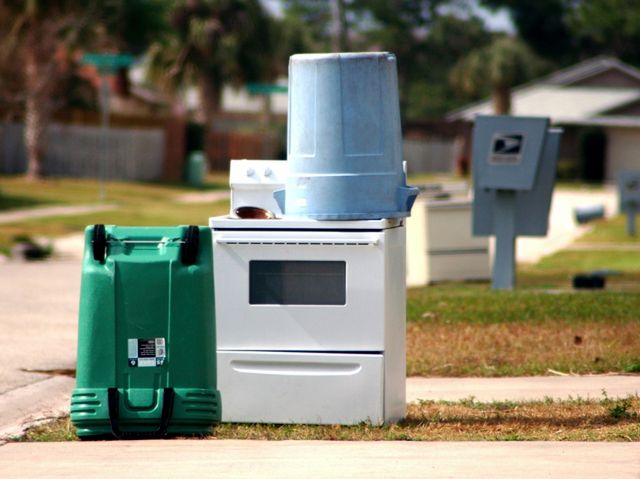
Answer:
(27, 406)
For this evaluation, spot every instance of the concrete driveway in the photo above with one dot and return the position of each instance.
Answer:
(563, 228)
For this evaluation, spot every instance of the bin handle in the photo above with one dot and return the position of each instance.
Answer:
(114, 411)
(160, 241)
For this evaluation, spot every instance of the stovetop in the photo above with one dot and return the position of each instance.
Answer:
(300, 223)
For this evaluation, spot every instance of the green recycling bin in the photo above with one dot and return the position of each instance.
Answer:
(146, 333)
(196, 168)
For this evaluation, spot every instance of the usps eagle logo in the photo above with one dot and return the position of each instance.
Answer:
(506, 149)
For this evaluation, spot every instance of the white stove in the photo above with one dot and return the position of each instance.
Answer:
(310, 318)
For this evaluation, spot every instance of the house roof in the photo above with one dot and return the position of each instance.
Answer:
(563, 97)
(562, 104)
(590, 68)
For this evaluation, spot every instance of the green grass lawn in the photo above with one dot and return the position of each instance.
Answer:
(468, 420)
(612, 231)
(139, 204)
(468, 329)
(17, 192)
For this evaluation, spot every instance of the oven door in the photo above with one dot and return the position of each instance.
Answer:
(300, 290)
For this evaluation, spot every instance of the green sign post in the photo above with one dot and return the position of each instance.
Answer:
(107, 64)
(265, 88)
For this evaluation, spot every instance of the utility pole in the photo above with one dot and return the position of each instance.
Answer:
(340, 31)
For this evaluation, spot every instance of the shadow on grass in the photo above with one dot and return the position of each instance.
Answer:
(8, 202)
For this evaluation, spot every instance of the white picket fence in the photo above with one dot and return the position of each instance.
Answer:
(139, 154)
(83, 151)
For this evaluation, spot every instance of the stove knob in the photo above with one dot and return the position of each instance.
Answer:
(251, 172)
(268, 172)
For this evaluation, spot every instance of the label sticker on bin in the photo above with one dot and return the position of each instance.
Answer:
(145, 353)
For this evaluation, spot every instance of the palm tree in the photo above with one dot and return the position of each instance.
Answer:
(498, 67)
(37, 33)
(213, 43)
(40, 36)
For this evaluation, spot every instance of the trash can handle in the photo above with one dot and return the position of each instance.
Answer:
(114, 411)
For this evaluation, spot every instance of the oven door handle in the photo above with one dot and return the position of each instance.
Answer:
(238, 240)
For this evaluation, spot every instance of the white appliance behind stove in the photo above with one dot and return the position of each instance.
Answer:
(310, 315)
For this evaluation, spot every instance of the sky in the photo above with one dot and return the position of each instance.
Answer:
(498, 21)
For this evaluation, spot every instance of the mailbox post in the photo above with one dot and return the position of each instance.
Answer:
(514, 167)
(629, 192)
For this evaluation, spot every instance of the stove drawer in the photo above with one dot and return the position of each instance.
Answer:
(304, 388)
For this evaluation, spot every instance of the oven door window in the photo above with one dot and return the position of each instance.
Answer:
(298, 282)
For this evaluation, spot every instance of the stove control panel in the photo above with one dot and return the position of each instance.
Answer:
(253, 182)
(255, 172)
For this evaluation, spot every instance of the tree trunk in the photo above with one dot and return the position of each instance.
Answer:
(340, 36)
(210, 99)
(122, 84)
(501, 97)
(37, 103)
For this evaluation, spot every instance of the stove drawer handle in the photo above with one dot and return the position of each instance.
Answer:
(299, 241)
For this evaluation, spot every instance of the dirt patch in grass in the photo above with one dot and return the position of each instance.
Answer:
(437, 348)
(53, 372)
(592, 420)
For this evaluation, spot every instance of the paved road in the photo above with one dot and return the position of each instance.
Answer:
(38, 317)
(321, 459)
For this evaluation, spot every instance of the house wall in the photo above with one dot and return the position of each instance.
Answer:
(623, 151)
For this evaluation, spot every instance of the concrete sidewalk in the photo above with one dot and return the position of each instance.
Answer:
(320, 459)
(46, 212)
(535, 388)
